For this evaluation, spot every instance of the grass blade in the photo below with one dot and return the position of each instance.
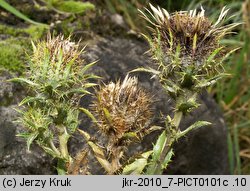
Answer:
(17, 13)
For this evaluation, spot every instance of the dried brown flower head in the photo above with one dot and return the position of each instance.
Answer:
(191, 32)
(122, 108)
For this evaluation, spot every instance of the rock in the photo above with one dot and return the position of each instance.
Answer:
(14, 157)
(201, 152)
(118, 20)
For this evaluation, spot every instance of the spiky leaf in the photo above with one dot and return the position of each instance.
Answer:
(167, 159)
(100, 156)
(29, 100)
(24, 80)
(89, 114)
(157, 151)
(137, 167)
(196, 125)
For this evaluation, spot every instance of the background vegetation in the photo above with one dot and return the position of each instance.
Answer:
(232, 94)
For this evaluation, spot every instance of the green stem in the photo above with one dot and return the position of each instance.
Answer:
(167, 148)
(65, 157)
(177, 119)
(63, 141)
(169, 140)
(53, 147)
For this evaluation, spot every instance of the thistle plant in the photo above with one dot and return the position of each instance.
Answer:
(122, 112)
(189, 58)
(57, 79)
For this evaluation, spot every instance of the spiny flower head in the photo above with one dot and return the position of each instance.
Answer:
(189, 32)
(186, 47)
(57, 51)
(122, 108)
(57, 71)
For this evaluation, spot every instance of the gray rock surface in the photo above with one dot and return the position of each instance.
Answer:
(14, 157)
(202, 152)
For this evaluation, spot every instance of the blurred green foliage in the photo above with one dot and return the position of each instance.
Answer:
(69, 6)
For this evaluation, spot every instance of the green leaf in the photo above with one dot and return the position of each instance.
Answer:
(29, 100)
(107, 115)
(73, 7)
(17, 13)
(137, 167)
(110, 6)
(89, 85)
(130, 135)
(59, 62)
(23, 135)
(84, 134)
(89, 114)
(167, 159)
(153, 128)
(87, 67)
(31, 138)
(159, 146)
(78, 90)
(49, 151)
(153, 166)
(208, 82)
(171, 87)
(196, 125)
(99, 154)
(61, 164)
(91, 76)
(149, 70)
(194, 42)
(67, 70)
(23, 80)
(214, 53)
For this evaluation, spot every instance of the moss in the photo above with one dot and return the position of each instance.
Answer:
(8, 30)
(12, 53)
(33, 31)
(73, 6)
